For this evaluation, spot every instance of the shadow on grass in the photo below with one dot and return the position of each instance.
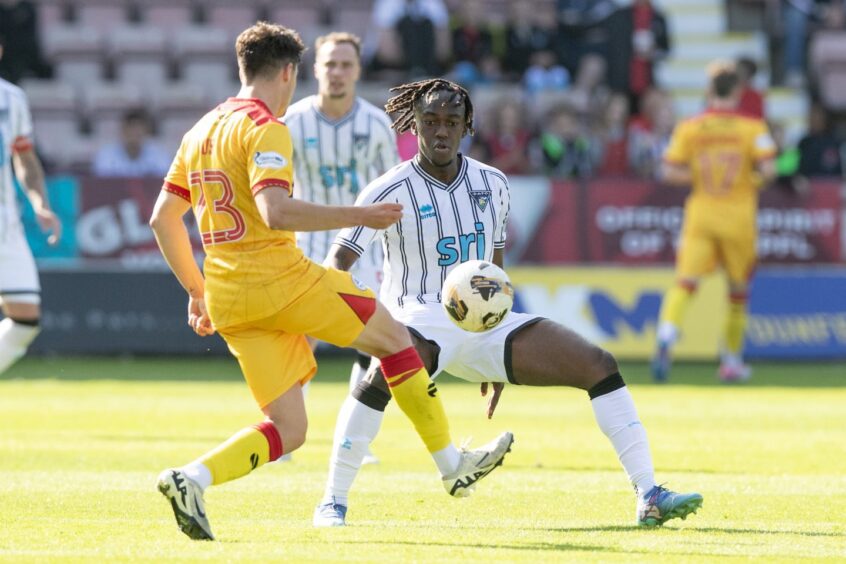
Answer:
(335, 368)
(692, 529)
(557, 547)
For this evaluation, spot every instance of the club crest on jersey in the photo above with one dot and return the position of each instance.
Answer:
(311, 142)
(426, 211)
(358, 283)
(481, 199)
(360, 141)
(269, 159)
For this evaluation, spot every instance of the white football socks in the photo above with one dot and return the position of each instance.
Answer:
(447, 459)
(357, 426)
(14, 340)
(198, 472)
(617, 417)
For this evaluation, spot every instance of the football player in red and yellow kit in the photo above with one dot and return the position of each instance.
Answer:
(262, 294)
(725, 157)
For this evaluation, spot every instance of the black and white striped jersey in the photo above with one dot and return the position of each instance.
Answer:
(335, 159)
(442, 226)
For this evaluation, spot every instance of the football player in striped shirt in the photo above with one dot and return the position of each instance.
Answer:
(456, 209)
(20, 291)
(341, 143)
(233, 170)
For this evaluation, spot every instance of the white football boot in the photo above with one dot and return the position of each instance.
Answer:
(186, 499)
(476, 464)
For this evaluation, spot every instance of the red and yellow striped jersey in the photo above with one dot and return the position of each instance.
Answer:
(230, 155)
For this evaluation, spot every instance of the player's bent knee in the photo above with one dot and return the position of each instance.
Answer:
(293, 437)
(603, 365)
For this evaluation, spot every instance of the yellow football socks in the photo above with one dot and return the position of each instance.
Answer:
(245, 451)
(735, 326)
(675, 304)
(417, 397)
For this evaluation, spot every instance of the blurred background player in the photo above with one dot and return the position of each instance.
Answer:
(456, 209)
(20, 291)
(725, 157)
(263, 295)
(341, 143)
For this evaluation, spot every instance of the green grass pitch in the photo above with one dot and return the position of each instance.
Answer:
(82, 440)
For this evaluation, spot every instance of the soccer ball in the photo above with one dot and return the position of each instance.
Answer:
(477, 295)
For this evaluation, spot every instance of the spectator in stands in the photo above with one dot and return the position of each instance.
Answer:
(820, 150)
(650, 135)
(798, 16)
(19, 28)
(614, 135)
(787, 163)
(524, 37)
(751, 101)
(589, 95)
(582, 29)
(638, 39)
(136, 154)
(566, 149)
(472, 42)
(545, 74)
(506, 145)
(413, 35)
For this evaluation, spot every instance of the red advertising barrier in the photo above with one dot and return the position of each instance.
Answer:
(637, 222)
(113, 221)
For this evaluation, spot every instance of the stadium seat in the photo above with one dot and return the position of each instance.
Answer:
(77, 53)
(828, 63)
(55, 115)
(355, 19)
(231, 17)
(105, 104)
(302, 17)
(207, 59)
(139, 56)
(102, 14)
(177, 107)
(172, 17)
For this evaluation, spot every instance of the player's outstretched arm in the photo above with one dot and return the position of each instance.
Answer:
(290, 214)
(29, 171)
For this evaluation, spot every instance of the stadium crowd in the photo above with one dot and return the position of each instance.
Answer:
(565, 88)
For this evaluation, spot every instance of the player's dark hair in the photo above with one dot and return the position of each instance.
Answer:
(403, 104)
(339, 37)
(265, 48)
(724, 78)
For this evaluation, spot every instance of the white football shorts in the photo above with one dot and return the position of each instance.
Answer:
(475, 357)
(18, 275)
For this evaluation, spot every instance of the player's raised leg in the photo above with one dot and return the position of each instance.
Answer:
(409, 383)
(548, 354)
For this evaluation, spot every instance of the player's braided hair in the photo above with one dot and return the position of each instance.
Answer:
(403, 103)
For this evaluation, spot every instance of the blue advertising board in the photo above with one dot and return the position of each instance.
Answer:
(798, 313)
